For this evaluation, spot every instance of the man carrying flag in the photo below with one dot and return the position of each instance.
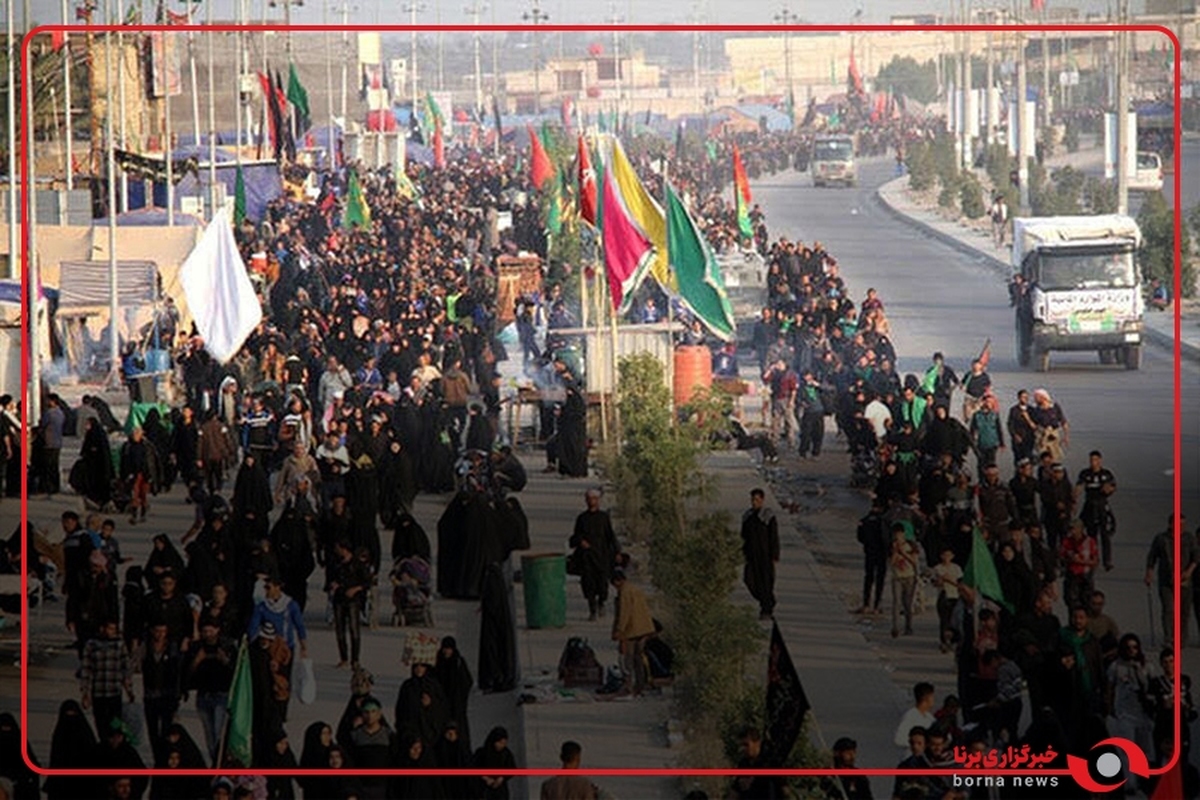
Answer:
(238, 745)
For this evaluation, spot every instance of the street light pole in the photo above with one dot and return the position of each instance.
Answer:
(616, 20)
(114, 341)
(14, 214)
(787, 17)
(412, 9)
(1122, 112)
(475, 10)
(537, 16)
(66, 47)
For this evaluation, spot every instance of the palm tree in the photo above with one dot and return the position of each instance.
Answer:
(47, 86)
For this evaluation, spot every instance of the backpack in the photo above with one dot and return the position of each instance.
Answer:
(578, 665)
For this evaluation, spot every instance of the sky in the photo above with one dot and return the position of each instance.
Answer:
(573, 12)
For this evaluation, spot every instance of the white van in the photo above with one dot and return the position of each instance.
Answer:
(1148, 177)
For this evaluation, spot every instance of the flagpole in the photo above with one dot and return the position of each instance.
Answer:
(238, 61)
(192, 72)
(35, 279)
(212, 118)
(66, 47)
(14, 214)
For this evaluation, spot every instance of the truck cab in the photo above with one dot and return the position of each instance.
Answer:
(833, 161)
(1078, 288)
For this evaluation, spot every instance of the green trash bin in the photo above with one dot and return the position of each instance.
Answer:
(544, 576)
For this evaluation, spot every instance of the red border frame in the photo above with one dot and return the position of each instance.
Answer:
(663, 772)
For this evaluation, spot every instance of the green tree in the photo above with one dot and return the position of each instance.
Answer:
(909, 78)
(1157, 255)
(971, 196)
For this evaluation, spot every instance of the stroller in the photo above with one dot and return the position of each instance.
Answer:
(412, 592)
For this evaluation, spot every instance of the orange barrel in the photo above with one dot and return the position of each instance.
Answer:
(693, 370)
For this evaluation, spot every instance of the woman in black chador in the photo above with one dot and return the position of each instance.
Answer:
(497, 639)
(572, 435)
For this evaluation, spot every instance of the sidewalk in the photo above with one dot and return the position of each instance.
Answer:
(974, 240)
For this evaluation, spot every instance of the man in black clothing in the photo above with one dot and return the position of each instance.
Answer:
(872, 535)
(209, 665)
(596, 550)
(760, 547)
(168, 607)
(350, 581)
(1162, 558)
(1021, 428)
(1097, 484)
(915, 786)
(756, 787)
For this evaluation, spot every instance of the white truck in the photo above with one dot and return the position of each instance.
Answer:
(833, 160)
(1079, 288)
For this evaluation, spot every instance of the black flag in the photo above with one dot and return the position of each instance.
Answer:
(496, 114)
(414, 128)
(786, 702)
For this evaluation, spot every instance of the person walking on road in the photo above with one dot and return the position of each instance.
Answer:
(905, 561)
(53, 423)
(873, 536)
(1161, 560)
(105, 676)
(784, 385)
(1098, 484)
(596, 550)
(760, 547)
(1079, 557)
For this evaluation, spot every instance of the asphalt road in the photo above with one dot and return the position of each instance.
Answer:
(937, 299)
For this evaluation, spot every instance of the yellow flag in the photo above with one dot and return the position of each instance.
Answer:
(646, 213)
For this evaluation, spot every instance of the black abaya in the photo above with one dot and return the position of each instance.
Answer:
(760, 548)
(70, 748)
(12, 766)
(409, 539)
(455, 678)
(572, 436)
(497, 637)
(96, 456)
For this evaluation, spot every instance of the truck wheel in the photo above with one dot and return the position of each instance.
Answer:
(1043, 361)
(1133, 357)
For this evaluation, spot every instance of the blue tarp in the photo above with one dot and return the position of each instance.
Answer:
(262, 180)
(776, 119)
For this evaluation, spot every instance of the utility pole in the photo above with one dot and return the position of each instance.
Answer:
(537, 17)
(114, 341)
(212, 114)
(495, 67)
(696, 19)
(966, 82)
(34, 281)
(441, 83)
(170, 167)
(1122, 112)
(191, 40)
(613, 19)
(787, 17)
(412, 9)
(1045, 72)
(989, 81)
(475, 10)
(1021, 122)
(121, 133)
(345, 60)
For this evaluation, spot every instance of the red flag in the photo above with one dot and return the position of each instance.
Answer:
(587, 184)
(1037, 5)
(439, 147)
(740, 181)
(268, 90)
(985, 355)
(176, 19)
(856, 82)
(541, 168)
(310, 141)
(57, 39)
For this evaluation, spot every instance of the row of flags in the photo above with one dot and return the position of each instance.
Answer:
(639, 236)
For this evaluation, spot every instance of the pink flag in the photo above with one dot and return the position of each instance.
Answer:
(626, 249)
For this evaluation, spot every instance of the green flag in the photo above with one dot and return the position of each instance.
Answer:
(239, 735)
(555, 208)
(357, 213)
(696, 271)
(239, 198)
(980, 573)
(435, 110)
(297, 96)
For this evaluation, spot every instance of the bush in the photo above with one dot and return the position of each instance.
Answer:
(1071, 137)
(920, 167)
(945, 162)
(949, 196)
(1046, 140)
(971, 196)
(1100, 196)
(999, 165)
(1157, 255)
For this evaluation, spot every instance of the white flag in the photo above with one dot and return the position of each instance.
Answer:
(219, 293)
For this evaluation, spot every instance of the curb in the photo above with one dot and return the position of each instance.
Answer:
(991, 261)
(1187, 349)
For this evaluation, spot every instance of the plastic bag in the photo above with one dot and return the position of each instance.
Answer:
(306, 682)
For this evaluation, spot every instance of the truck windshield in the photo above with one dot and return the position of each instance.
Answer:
(1087, 270)
(833, 151)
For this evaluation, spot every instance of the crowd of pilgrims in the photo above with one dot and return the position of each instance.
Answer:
(373, 377)
(929, 448)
